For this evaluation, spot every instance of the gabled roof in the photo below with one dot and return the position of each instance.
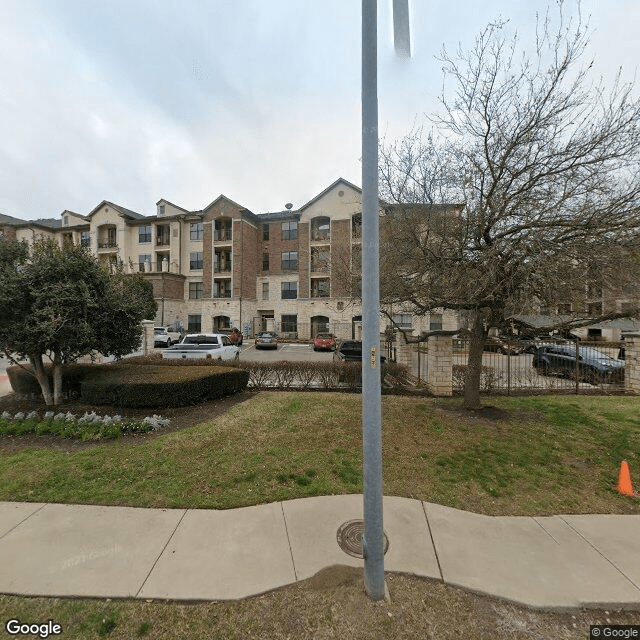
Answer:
(333, 185)
(229, 200)
(121, 210)
(73, 213)
(164, 201)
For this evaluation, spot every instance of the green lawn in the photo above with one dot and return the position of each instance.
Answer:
(545, 455)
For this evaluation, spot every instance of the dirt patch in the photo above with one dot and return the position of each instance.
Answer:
(487, 412)
(181, 418)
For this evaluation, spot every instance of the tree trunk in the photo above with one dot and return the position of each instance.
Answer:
(41, 377)
(474, 365)
(57, 380)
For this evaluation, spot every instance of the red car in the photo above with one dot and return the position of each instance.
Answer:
(324, 341)
(235, 336)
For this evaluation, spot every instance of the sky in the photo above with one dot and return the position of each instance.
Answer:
(136, 100)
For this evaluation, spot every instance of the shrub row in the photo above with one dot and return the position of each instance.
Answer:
(158, 386)
(23, 380)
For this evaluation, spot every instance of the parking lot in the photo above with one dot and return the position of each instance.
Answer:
(288, 351)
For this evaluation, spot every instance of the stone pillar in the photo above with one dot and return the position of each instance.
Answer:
(439, 372)
(147, 337)
(632, 363)
(404, 354)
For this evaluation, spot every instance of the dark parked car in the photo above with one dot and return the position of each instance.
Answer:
(593, 366)
(351, 351)
(267, 340)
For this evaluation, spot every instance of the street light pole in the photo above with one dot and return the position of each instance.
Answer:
(372, 539)
(373, 535)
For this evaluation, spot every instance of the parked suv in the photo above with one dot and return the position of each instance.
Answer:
(593, 366)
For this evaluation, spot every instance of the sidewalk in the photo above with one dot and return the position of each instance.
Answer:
(549, 562)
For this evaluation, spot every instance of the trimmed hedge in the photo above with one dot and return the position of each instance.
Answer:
(159, 386)
(23, 380)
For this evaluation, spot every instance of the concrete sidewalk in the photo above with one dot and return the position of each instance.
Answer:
(73, 550)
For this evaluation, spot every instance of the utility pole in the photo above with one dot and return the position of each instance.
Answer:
(373, 536)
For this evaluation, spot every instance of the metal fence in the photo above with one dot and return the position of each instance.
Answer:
(545, 366)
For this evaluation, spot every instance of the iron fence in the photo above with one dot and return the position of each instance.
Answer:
(540, 366)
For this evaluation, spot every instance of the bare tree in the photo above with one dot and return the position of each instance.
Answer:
(546, 167)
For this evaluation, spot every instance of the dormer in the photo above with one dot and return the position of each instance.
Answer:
(160, 210)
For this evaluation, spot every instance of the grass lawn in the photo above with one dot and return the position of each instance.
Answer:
(527, 456)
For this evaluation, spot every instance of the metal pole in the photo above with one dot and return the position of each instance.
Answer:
(372, 541)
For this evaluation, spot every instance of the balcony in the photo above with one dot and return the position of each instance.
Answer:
(163, 241)
(107, 243)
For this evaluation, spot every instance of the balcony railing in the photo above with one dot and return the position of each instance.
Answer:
(222, 294)
(163, 241)
(225, 268)
(107, 244)
(222, 235)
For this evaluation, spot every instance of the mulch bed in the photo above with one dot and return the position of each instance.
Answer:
(181, 418)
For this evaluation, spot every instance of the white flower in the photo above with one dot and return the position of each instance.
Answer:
(6, 415)
(107, 420)
(117, 418)
(48, 415)
(19, 416)
(59, 416)
(32, 414)
(69, 417)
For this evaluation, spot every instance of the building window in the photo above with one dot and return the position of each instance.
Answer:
(163, 235)
(143, 259)
(435, 322)
(265, 232)
(289, 324)
(320, 229)
(222, 230)
(320, 259)
(160, 210)
(222, 288)
(196, 231)
(144, 233)
(85, 238)
(356, 226)
(289, 230)
(195, 260)
(194, 324)
(265, 262)
(289, 290)
(196, 290)
(403, 320)
(65, 221)
(290, 260)
(265, 290)
(320, 288)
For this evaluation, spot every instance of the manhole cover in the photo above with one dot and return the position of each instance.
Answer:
(350, 538)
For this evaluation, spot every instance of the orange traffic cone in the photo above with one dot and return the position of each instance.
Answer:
(624, 485)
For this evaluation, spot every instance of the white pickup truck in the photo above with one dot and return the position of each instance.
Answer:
(196, 346)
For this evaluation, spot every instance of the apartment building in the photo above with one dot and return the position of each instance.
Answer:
(224, 265)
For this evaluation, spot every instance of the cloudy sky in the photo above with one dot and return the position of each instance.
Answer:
(136, 100)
